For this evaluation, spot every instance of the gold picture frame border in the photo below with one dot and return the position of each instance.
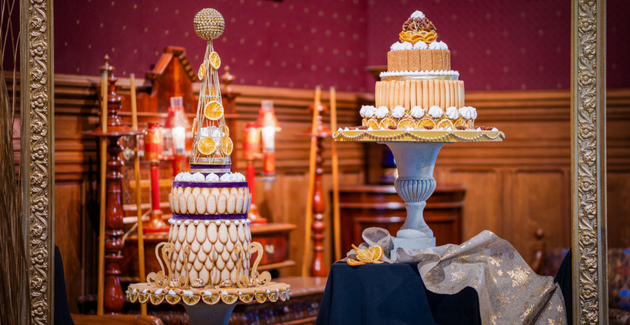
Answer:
(588, 186)
(588, 162)
(37, 161)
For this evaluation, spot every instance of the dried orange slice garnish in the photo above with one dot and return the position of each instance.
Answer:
(386, 122)
(354, 262)
(225, 130)
(445, 124)
(206, 146)
(202, 72)
(426, 122)
(213, 110)
(377, 252)
(227, 146)
(215, 60)
(406, 123)
(373, 123)
(460, 122)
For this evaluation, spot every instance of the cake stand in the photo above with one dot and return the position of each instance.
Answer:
(207, 306)
(415, 152)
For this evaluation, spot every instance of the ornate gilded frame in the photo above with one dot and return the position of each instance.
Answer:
(588, 162)
(37, 161)
(588, 147)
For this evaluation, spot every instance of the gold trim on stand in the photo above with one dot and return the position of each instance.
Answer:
(588, 162)
(37, 162)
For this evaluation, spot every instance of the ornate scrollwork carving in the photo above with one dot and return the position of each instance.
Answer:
(37, 163)
(587, 152)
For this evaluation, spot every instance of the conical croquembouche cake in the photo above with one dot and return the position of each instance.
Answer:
(209, 248)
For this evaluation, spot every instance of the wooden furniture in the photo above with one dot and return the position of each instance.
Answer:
(318, 262)
(364, 206)
(113, 295)
(115, 320)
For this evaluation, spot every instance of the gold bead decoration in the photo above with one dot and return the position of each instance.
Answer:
(209, 24)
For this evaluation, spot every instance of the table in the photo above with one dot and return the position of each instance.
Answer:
(391, 294)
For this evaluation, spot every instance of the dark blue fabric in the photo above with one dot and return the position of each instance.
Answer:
(563, 279)
(391, 294)
(62, 310)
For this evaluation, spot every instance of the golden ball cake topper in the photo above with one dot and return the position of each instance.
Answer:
(209, 24)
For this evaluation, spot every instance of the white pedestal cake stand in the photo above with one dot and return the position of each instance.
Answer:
(415, 152)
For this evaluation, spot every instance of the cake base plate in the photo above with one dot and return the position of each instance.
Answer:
(417, 135)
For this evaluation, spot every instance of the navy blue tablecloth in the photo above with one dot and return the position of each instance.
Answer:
(391, 294)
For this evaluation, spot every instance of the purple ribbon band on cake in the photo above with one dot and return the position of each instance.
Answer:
(210, 216)
(209, 184)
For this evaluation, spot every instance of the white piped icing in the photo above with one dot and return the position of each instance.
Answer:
(212, 177)
(478, 129)
(452, 113)
(158, 291)
(436, 112)
(196, 223)
(417, 112)
(346, 129)
(145, 291)
(468, 112)
(207, 222)
(188, 293)
(365, 109)
(370, 129)
(381, 112)
(396, 46)
(420, 46)
(495, 130)
(407, 46)
(198, 177)
(207, 293)
(172, 293)
(443, 45)
(398, 112)
(417, 14)
(434, 46)
(227, 177)
(419, 73)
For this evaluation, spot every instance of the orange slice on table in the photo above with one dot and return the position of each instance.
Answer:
(426, 122)
(354, 262)
(406, 123)
(386, 122)
(206, 146)
(373, 123)
(213, 110)
(445, 124)
(377, 252)
(202, 72)
(227, 146)
(215, 60)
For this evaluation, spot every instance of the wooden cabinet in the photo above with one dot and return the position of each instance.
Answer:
(365, 206)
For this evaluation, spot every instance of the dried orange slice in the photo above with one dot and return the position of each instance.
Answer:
(215, 60)
(426, 122)
(386, 122)
(460, 122)
(227, 146)
(406, 123)
(206, 146)
(213, 110)
(377, 252)
(202, 72)
(354, 262)
(225, 130)
(445, 124)
(373, 123)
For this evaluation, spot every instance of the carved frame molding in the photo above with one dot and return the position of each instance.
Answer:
(37, 161)
(588, 162)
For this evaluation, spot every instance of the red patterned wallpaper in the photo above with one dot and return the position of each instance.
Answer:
(496, 44)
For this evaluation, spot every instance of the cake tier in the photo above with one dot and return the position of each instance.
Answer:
(212, 244)
(210, 200)
(418, 60)
(423, 93)
(426, 122)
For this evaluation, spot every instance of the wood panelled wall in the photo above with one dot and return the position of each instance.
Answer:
(513, 187)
